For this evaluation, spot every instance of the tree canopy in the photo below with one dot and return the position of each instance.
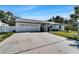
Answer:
(57, 19)
(73, 18)
(7, 17)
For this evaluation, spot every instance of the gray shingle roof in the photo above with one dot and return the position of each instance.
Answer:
(28, 20)
(34, 21)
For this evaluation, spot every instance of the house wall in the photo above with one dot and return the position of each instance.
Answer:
(29, 27)
(22, 27)
(57, 27)
(4, 27)
(7, 28)
(0, 24)
(12, 28)
(62, 27)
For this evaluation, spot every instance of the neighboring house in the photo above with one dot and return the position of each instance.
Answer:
(29, 25)
(3, 24)
(4, 27)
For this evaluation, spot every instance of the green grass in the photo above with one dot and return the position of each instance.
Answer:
(3, 36)
(71, 34)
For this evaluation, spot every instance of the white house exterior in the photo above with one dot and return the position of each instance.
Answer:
(56, 26)
(28, 25)
(4, 27)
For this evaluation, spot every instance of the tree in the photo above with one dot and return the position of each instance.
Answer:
(68, 27)
(66, 21)
(51, 19)
(8, 14)
(74, 17)
(76, 8)
(7, 17)
(12, 21)
(59, 19)
(72, 21)
(1, 15)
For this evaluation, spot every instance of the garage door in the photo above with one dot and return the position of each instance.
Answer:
(28, 28)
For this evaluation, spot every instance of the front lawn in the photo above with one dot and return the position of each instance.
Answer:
(3, 36)
(71, 34)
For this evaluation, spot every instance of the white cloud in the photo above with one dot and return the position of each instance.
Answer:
(30, 8)
(24, 8)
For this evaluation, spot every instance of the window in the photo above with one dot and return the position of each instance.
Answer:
(21, 24)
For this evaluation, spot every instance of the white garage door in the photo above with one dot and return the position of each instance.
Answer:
(28, 27)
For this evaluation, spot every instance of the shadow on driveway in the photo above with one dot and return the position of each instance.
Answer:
(75, 44)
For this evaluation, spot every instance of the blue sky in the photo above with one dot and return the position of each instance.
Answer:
(39, 12)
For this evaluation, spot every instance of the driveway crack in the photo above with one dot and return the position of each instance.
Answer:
(38, 47)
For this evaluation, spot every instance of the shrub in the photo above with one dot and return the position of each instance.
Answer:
(68, 27)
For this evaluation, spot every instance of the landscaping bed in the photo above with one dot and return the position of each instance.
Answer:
(3, 36)
(70, 34)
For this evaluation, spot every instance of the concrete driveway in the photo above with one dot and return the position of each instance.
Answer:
(38, 43)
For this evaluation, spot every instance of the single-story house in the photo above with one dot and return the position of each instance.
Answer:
(25, 25)
(29, 25)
